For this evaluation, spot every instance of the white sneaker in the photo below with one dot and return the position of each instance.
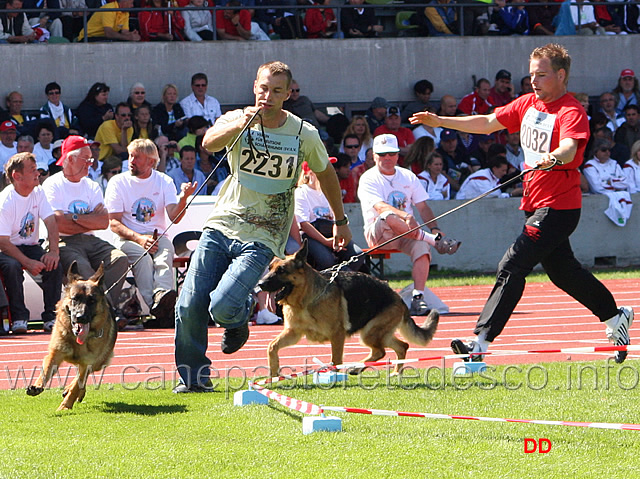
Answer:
(48, 325)
(265, 316)
(19, 327)
(618, 331)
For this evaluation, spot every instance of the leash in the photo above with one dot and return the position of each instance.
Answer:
(156, 236)
(336, 268)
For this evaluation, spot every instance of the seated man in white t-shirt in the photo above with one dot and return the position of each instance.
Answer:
(22, 205)
(388, 194)
(136, 201)
(79, 210)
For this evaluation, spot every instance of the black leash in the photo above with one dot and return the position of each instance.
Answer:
(336, 268)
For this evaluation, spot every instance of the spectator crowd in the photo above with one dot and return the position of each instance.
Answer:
(255, 20)
(103, 166)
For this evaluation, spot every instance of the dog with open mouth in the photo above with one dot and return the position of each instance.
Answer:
(326, 310)
(84, 334)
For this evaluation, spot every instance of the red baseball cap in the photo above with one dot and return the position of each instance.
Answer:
(627, 72)
(306, 169)
(71, 143)
(8, 125)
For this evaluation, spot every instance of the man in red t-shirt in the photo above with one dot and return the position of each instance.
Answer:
(392, 126)
(502, 91)
(554, 132)
(476, 103)
(233, 24)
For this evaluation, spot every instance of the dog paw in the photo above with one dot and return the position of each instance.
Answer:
(34, 390)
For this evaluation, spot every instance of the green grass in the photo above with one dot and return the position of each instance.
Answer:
(121, 433)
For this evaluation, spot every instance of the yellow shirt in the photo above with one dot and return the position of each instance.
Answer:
(109, 133)
(117, 21)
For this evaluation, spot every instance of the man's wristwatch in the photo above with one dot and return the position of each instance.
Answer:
(342, 222)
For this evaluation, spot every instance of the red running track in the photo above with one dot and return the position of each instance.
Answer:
(546, 318)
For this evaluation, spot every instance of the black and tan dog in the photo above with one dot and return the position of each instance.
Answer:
(325, 311)
(84, 334)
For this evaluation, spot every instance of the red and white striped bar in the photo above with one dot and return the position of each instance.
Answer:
(382, 412)
(580, 350)
(291, 403)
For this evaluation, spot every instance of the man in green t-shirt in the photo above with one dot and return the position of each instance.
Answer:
(250, 221)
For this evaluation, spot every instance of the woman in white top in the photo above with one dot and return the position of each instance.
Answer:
(315, 218)
(604, 174)
(436, 184)
(631, 169)
(43, 150)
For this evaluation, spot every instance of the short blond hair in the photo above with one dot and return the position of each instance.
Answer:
(276, 68)
(557, 55)
(144, 146)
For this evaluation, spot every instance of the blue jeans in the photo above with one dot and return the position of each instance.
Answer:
(222, 274)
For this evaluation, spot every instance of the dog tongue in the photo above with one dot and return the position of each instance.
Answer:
(82, 331)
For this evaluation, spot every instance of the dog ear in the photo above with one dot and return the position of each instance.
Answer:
(72, 273)
(302, 253)
(98, 276)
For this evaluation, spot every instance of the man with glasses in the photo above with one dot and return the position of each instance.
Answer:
(57, 111)
(115, 135)
(199, 103)
(79, 210)
(388, 194)
(351, 146)
(303, 107)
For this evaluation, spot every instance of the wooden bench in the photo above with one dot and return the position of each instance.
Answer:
(375, 260)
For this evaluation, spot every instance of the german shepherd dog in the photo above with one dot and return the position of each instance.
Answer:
(84, 334)
(326, 311)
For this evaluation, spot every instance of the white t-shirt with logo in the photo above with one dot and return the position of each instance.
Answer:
(142, 202)
(80, 198)
(311, 204)
(402, 191)
(20, 215)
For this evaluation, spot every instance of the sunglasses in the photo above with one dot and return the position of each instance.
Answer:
(115, 172)
(54, 92)
(139, 93)
(101, 88)
(387, 154)
(199, 85)
(351, 146)
(605, 149)
(295, 90)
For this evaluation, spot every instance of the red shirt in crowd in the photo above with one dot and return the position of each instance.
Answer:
(225, 24)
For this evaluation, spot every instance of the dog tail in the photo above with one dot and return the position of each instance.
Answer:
(421, 335)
